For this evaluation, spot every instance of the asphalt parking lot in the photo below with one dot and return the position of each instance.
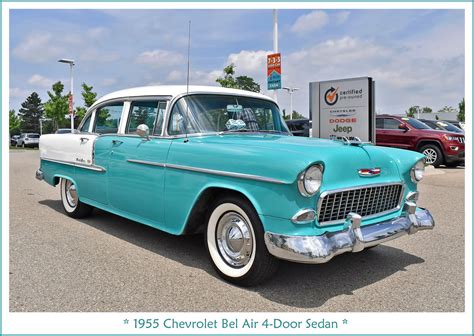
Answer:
(107, 263)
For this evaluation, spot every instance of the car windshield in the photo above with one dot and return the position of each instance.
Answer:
(219, 113)
(33, 136)
(416, 123)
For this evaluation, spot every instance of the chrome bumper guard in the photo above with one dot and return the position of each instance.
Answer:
(354, 238)
(39, 175)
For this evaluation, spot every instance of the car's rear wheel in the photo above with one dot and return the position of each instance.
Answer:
(433, 154)
(235, 242)
(72, 205)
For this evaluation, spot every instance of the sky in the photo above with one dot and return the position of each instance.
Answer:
(416, 57)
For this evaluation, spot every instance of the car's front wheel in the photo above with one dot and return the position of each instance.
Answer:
(235, 242)
(72, 205)
(433, 154)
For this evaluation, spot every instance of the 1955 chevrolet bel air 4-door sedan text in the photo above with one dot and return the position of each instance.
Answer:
(222, 162)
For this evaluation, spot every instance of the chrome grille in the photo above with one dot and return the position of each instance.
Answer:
(334, 206)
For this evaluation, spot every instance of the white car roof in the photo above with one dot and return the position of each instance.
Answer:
(176, 90)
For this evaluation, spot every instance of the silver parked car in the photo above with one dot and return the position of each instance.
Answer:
(28, 140)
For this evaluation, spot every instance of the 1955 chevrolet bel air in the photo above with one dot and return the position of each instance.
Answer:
(222, 162)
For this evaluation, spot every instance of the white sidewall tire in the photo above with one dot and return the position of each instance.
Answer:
(216, 257)
(66, 204)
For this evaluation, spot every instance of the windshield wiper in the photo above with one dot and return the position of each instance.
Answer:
(244, 130)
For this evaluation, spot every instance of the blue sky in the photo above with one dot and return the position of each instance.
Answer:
(416, 57)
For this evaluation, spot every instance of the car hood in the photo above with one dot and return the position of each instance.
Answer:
(284, 157)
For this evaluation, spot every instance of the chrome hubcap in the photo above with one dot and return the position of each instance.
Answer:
(234, 239)
(71, 194)
(431, 155)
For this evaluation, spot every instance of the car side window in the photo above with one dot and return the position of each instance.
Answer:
(150, 113)
(379, 123)
(85, 124)
(108, 118)
(391, 124)
(177, 124)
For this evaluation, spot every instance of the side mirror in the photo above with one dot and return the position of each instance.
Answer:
(403, 127)
(143, 131)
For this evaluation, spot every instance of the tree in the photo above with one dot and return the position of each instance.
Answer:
(295, 115)
(15, 123)
(447, 109)
(461, 111)
(57, 106)
(240, 82)
(426, 109)
(412, 111)
(30, 113)
(89, 98)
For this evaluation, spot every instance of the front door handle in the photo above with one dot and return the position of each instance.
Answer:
(84, 140)
(117, 142)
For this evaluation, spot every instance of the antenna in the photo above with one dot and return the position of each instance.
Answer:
(187, 84)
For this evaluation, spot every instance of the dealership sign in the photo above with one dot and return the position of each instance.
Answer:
(343, 108)
(274, 71)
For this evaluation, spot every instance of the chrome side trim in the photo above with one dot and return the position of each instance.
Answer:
(327, 192)
(149, 163)
(225, 173)
(78, 165)
(209, 171)
(354, 238)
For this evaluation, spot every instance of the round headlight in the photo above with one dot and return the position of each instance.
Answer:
(418, 171)
(310, 180)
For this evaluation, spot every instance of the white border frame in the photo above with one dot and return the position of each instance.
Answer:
(51, 323)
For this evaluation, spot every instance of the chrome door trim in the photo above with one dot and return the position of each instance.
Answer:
(209, 171)
(77, 164)
(149, 163)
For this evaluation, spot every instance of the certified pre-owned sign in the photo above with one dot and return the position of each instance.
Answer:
(343, 108)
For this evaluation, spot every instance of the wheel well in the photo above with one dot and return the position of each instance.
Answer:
(196, 221)
(429, 142)
(56, 180)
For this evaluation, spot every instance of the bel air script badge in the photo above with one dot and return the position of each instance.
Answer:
(369, 172)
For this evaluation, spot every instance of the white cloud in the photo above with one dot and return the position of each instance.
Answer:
(19, 93)
(160, 58)
(40, 81)
(108, 81)
(249, 60)
(310, 22)
(37, 48)
(174, 76)
(341, 17)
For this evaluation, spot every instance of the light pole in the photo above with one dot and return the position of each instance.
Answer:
(291, 90)
(71, 95)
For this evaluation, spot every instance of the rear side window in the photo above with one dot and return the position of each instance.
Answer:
(391, 124)
(108, 118)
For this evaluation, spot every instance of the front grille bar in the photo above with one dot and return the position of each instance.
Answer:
(367, 201)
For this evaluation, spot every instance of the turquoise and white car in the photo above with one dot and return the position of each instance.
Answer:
(222, 162)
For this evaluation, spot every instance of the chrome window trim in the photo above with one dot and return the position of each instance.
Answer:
(334, 191)
(209, 171)
(77, 164)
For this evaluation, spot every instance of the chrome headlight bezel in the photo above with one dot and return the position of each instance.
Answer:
(305, 180)
(417, 172)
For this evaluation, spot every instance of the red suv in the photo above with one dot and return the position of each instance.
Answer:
(439, 147)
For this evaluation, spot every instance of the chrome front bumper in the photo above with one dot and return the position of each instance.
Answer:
(354, 238)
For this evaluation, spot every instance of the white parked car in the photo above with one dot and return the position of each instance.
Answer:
(28, 140)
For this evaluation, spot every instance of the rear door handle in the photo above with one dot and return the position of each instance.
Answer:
(117, 142)
(84, 140)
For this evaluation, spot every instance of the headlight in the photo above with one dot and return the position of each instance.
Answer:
(310, 180)
(418, 171)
